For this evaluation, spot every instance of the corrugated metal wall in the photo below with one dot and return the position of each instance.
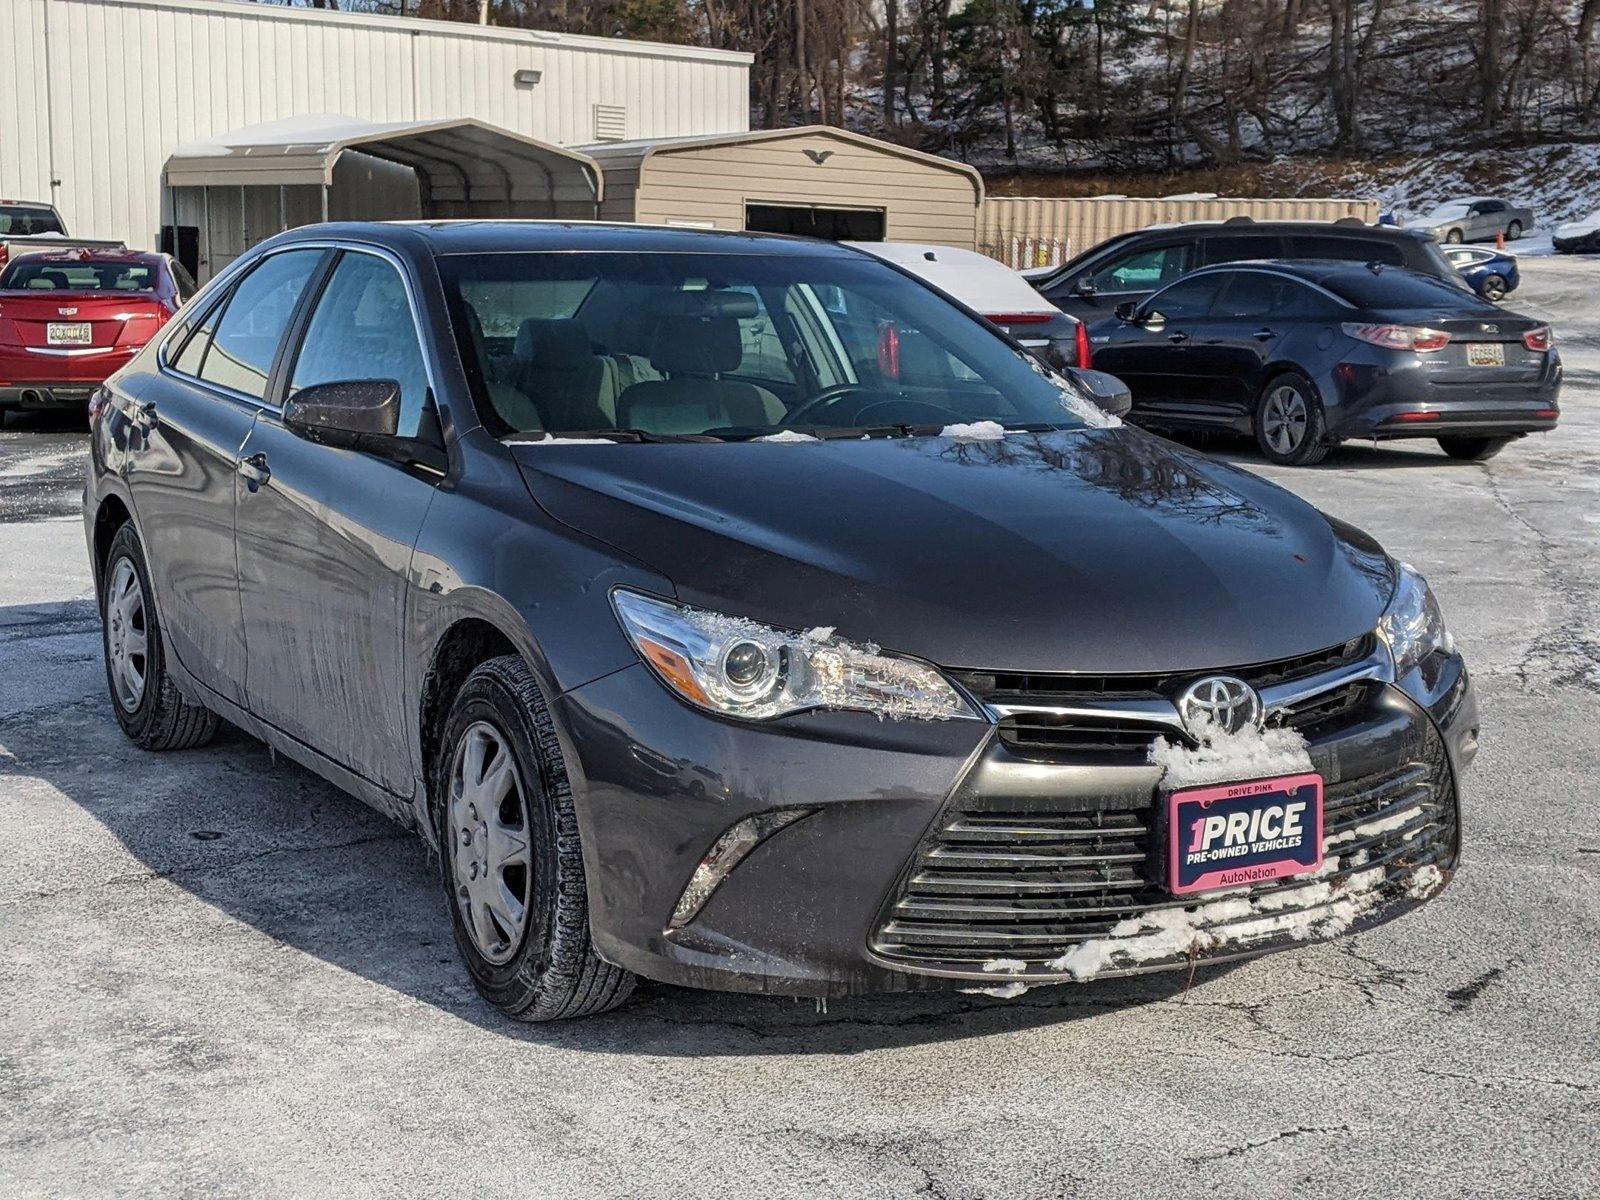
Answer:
(129, 81)
(1038, 231)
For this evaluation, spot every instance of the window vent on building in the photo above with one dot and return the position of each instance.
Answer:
(610, 123)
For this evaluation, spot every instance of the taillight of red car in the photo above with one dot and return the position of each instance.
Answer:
(1539, 340)
(1400, 337)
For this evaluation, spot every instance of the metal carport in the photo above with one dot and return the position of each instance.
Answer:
(224, 195)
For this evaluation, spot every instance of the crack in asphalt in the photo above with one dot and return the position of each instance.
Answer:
(1284, 1135)
(1500, 1079)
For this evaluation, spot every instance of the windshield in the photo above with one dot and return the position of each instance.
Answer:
(34, 275)
(733, 346)
(22, 221)
(1444, 212)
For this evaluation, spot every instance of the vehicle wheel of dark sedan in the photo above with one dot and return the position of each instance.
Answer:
(148, 705)
(511, 859)
(1289, 424)
(1513, 231)
(1474, 449)
(1494, 288)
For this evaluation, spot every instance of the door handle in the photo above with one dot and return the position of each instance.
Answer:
(255, 470)
(1264, 334)
(1177, 338)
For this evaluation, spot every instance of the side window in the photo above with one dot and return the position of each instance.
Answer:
(1142, 270)
(253, 320)
(1185, 300)
(193, 352)
(362, 328)
(1238, 248)
(1249, 295)
(1345, 249)
(182, 280)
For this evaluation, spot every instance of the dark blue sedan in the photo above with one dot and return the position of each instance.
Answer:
(1491, 273)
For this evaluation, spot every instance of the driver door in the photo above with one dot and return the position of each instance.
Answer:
(1158, 353)
(325, 535)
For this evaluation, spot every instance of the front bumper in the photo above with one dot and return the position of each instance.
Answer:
(827, 906)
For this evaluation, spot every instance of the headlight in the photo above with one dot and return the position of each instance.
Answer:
(1413, 626)
(740, 668)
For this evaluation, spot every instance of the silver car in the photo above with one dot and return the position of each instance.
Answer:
(1478, 219)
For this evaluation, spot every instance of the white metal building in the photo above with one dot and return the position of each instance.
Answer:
(96, 95)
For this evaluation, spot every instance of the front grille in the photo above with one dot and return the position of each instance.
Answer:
(1029, 883)
(1042, 688)
(1110, 740)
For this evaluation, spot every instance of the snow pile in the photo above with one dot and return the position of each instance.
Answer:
(787, 435)
(1316, 910)
(1370, 829)
(977, 431)
(1223, 757)
(1005, 964)
(1005, 991)
(551, 440)
(1426, 880)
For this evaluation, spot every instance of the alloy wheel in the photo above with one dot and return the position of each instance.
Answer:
(1284, 420)
(127, 635)
(1494, 288)
(490, 852)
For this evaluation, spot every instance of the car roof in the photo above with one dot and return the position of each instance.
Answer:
(39, 204)
(978, 281)
(510, 236)
(1319, 271)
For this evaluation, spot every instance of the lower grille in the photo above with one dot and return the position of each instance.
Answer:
(1031, 883)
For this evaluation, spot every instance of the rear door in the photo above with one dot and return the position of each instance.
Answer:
(1253, 318)
(184, 425)
(325, 534)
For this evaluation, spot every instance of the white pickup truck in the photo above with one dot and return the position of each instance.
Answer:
(31, 225)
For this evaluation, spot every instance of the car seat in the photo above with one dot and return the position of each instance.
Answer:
(553, 362)
(694, 351)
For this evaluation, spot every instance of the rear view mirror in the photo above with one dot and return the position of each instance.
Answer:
(356, 413)
(1126, 310)
(1108, 392)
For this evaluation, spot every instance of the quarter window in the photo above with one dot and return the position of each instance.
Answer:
(363, 329)
(253, 320)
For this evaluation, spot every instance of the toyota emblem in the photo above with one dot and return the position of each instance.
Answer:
(1222, 701)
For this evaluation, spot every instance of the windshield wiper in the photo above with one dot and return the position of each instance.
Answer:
(628, 435)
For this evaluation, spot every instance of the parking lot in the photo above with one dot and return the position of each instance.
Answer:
(223, 975)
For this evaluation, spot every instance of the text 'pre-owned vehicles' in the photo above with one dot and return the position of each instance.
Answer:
(1306, 355)
(708, 642)
(70, 318)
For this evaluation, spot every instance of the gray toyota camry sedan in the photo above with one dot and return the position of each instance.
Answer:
(741, 612)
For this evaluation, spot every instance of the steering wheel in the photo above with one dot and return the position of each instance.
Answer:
(826, 398)
(930, 414)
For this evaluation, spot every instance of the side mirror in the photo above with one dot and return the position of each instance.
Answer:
(1085, 288)
(1108, 392)
(353, 413)
(1126, 310)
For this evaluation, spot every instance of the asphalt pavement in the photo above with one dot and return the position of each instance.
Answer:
(219, 975)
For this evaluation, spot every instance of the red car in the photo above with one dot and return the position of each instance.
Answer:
(70, 318)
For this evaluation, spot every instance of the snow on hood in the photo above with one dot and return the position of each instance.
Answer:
(1585, 225)
(1089, 550)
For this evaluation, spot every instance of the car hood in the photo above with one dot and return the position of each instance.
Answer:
(1092, 550)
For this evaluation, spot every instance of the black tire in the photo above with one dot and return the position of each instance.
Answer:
(1474, 449)
(160, 717)
(1453, 237)
(551, 971)
(1298, 446)
(1494, 288)
(1513, 231)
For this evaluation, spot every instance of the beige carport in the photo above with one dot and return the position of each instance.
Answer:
(226, 194)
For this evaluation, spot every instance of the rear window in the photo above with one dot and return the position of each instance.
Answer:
(21, 221)
(1392, 289)
(24, 275)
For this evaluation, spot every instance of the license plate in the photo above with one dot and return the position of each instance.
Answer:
(1486, 354)
(69, 333)
(1236, 834)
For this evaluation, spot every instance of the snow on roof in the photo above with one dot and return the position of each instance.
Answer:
(313, 129)
(975, 279)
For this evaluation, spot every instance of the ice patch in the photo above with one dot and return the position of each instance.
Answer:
(1005, 964)
(1222, 757)
(787, 435)
(977, 431)
(1006, 991)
